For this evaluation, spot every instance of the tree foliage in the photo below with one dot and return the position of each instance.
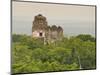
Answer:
(86, 37)
(30, 55)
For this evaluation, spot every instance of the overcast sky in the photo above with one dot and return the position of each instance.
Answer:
(73, 19)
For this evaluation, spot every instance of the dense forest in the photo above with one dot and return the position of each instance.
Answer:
(73, 53)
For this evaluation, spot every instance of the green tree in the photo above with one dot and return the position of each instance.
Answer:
(86, 37)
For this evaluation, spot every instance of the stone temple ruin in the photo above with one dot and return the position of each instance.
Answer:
(41, 29)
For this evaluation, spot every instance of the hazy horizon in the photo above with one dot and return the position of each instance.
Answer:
(73, 19)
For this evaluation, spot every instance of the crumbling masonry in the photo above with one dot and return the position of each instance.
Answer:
(41, 29)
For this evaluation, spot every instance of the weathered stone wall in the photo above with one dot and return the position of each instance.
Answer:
(39, 23)
(40, 29)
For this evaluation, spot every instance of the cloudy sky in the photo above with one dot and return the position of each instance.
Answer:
(73, 19)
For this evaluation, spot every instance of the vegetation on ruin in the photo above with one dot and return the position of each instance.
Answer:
(31, 55)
